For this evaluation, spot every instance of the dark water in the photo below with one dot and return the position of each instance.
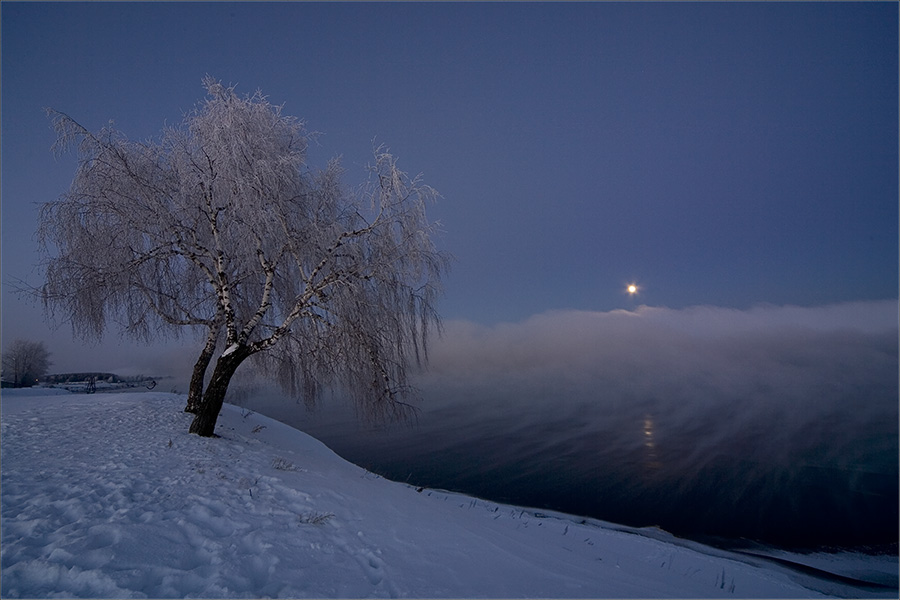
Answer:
(793, 445)
(816, 486)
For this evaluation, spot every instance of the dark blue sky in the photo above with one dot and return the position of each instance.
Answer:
(724, 154)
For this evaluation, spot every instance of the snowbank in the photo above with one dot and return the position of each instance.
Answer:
(108, 496)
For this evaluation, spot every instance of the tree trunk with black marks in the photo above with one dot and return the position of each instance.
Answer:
(195, 392)
(204, 423)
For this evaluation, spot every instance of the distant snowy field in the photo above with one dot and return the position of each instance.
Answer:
(107, 495)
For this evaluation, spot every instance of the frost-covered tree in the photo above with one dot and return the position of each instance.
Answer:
(222, 228)
(24, 362)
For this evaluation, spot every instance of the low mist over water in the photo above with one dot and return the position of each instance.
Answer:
(777, 424)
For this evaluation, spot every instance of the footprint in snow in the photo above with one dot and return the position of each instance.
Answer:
(372, 566)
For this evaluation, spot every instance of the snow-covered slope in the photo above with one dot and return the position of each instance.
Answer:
(108, 496)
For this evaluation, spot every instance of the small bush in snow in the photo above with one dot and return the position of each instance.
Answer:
(283, 465)
(314, 518)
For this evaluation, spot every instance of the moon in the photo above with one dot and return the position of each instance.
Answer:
(632, 288)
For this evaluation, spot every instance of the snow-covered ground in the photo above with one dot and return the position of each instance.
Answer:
(107, 495)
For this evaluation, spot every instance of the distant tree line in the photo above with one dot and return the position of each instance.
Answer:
(24, 363)
(87, 376)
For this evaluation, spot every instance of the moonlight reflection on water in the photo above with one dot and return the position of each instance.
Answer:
(651, 460)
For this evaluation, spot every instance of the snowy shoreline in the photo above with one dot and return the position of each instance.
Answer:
(109, 496)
